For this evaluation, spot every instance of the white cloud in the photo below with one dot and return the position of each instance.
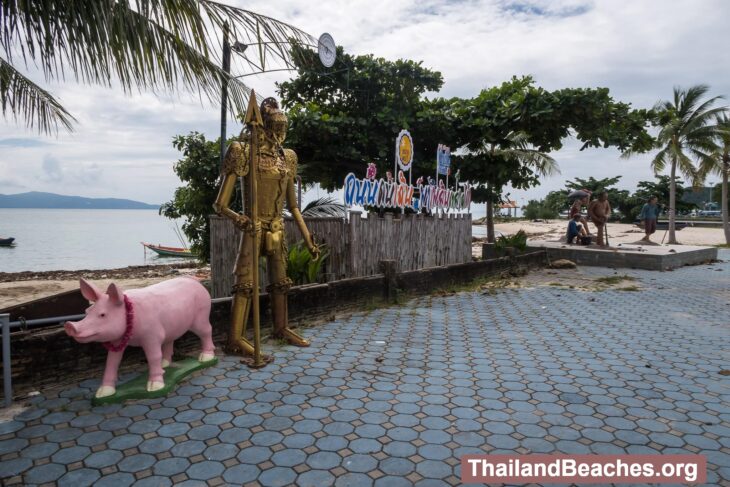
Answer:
(639, 50)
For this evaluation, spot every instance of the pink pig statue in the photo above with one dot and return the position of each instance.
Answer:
(151, 318)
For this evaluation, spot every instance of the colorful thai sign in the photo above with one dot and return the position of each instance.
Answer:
(404, 150)
(443, 159)
(388, 193)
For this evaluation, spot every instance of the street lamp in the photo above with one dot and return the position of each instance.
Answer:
(240, 48)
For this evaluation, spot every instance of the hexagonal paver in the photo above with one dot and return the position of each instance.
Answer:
(136, 463)
(170, 467)
(205, 470)
(334, 415)
(277, 477)
(103, 459)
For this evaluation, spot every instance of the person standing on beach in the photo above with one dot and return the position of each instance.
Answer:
(599, 210)
(648, 216)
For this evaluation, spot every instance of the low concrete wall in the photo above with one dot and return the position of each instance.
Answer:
(44, 357)
(617, 258)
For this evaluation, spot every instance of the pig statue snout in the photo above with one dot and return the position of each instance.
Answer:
(71, 329)
(77, 332)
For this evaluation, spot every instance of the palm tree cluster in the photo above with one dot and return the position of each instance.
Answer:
(694, 140)
(139, 44)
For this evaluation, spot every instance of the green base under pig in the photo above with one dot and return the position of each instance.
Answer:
(137, 387)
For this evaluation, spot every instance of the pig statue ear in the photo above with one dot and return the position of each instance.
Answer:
(116, 295)
(89, 291)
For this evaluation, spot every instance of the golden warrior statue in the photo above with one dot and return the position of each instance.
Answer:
(274, 180)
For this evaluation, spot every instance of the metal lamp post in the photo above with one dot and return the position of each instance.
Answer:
(239, 47)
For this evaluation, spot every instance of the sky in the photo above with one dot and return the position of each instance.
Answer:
(639, 49)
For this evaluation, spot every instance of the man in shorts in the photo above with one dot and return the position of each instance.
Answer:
(599, 210)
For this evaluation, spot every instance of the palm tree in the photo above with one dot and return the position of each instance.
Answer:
(687, 134)
(719, 163)
(149, 45)
(514, 147)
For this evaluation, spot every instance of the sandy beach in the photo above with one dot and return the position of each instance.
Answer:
(617, 232)
(21, 287)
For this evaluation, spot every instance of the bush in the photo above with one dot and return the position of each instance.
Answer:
(518, 241)
(301, 267)
(537, 210)
(199, 170)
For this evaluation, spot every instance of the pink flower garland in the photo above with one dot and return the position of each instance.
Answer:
(127, 332)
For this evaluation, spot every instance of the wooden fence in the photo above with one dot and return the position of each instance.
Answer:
(357, 245)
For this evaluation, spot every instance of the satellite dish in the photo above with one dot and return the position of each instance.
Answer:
(327, 50)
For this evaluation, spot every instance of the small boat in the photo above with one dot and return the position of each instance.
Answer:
(163, 251)
(6, 242)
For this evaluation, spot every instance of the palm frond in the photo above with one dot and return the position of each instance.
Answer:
(700, 120)
(660, 161)
(516, 145)
(272, 38)
(21, 98)
(686, 166)
(685, 101)
(708, 164)
(326, 206)
(150, 44)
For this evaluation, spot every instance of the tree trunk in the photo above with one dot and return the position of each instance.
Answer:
(723, 204)
(672, 203)
(490, 222)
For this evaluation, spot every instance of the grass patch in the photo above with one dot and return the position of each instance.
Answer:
(374, 304)
(611, 280)
(489, 285)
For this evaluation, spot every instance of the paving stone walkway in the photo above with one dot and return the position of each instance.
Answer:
(395, 396)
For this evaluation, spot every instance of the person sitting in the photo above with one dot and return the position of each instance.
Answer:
(575, 229)
(575, 209)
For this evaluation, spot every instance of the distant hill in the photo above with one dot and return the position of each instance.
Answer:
(35, 199)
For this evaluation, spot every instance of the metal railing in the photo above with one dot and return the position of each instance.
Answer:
(8, 325)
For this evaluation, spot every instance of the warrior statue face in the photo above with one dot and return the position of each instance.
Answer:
(275, 121)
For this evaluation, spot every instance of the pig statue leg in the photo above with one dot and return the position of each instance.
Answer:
(109, 382)
(204, 330)
(166, 354)
(153, 352)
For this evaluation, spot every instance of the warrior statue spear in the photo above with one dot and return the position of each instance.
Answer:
(254, 123)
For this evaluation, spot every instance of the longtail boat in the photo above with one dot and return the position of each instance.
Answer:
(164, 251)
(6, 242)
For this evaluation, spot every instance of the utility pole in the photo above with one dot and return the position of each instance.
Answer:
(224, 90)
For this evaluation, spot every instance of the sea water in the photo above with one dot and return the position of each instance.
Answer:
(49, 239)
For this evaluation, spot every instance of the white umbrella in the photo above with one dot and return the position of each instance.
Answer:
(578, 194)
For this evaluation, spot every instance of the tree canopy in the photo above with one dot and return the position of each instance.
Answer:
(545, 119)
(350, 114)
(199, 170)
